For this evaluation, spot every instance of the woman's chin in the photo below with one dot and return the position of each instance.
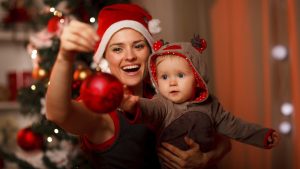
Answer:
(132, 81)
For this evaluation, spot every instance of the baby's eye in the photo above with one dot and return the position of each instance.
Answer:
(164, 77)
(180, 75)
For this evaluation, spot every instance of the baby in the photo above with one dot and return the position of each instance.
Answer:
(183, 105)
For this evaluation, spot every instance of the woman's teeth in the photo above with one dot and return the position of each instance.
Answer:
(131, 68)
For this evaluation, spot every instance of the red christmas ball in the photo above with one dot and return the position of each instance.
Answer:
(101, 92)
(53, 24)
(28, 140)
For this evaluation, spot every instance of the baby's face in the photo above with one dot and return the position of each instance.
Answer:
(175, 79)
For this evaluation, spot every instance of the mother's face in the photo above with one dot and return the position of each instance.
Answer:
(127, 53)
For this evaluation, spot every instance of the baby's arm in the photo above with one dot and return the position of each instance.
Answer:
(143, 110)
(243, 131)
(129, 103)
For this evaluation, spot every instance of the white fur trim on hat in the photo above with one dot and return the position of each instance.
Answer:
(116, 27)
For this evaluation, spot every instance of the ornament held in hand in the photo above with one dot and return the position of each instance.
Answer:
(101, 92)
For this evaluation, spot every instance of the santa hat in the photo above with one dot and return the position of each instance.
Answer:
(117, 16)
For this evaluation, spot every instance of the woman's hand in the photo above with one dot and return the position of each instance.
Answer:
(175, 158)
(77, 37)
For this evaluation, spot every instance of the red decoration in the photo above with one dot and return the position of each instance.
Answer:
(101, 92)
(203, 45)
(17, 15)
(16, 80)
(1, 163)
(158, 44)
(53, 24)
(76, 84)
(39, 73)
(28, 140)
(81, 73)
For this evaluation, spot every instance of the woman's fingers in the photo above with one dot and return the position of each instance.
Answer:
(75, 39)
(174, 157)
(194, 147)
(169, 159)
(192, 144)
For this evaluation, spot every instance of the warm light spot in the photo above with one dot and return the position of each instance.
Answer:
(287, 109)
(279, 52)
(33, 87)
(285, 127)
(49, 139)
(52, 9)
(56, 131)
(34, 54)
(92, 20)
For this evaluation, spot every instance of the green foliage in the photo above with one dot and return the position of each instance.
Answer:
(13, 158)
(48, 55)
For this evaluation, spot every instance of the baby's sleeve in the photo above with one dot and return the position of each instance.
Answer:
(152, 111)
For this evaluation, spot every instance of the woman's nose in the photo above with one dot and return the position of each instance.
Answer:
(130, 55)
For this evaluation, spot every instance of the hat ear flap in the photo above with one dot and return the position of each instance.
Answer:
(198, 43)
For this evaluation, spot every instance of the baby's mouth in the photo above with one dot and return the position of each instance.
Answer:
(174, 92)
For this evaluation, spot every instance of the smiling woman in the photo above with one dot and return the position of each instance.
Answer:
(127, 53)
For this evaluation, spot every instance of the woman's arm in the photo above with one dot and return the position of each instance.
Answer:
(175, 158)
(72, 115)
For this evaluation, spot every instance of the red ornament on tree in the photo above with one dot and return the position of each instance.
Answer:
(53, 24)
(28, 140)
(101, 92)
(39, 73)
(81, 73)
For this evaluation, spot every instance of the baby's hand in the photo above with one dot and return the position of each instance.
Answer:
(129, 102)
(274, 139)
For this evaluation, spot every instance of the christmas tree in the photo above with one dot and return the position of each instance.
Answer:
(43, 143)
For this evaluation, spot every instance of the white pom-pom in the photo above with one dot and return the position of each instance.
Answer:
(154, 26)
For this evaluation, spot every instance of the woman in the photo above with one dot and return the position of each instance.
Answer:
(109, 139)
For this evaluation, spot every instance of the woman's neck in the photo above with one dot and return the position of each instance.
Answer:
(137, 90)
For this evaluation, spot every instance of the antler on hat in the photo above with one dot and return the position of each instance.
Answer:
(198, 43)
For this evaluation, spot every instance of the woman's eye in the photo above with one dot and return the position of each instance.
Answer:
(164, 77)
(140, 46)
(117, 50)
(180, 75)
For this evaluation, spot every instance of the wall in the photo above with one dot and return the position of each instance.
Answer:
(13, 59)
(248, 81)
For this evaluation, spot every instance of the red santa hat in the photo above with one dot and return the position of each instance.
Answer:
(117, 16)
